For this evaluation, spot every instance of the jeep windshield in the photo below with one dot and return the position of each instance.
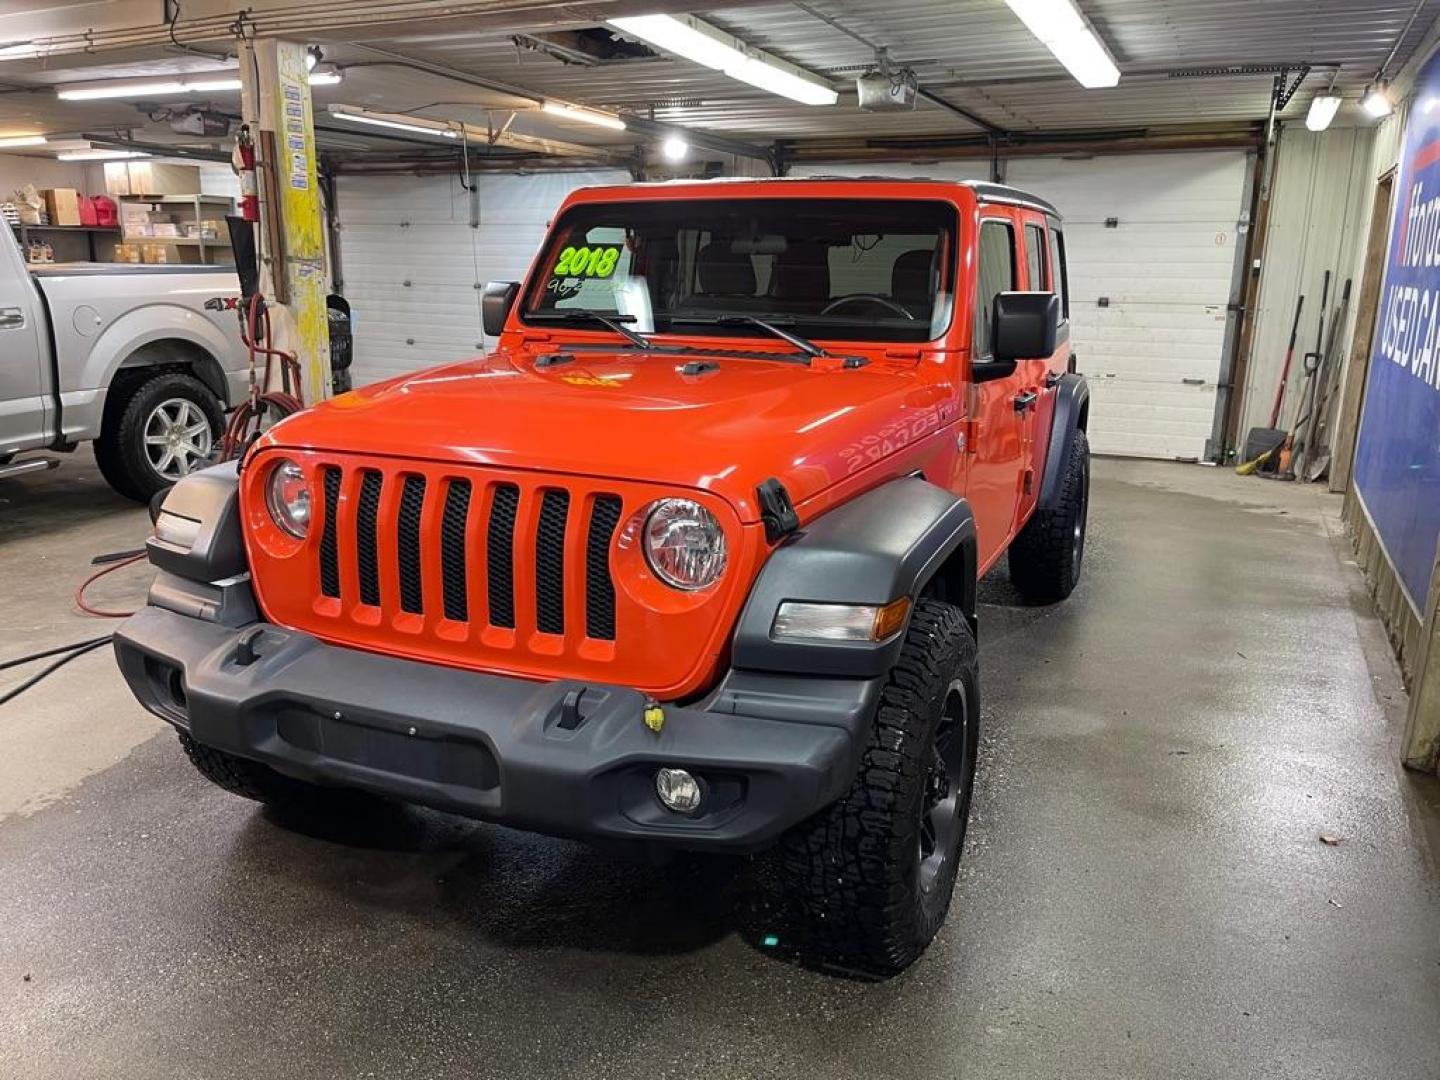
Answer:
(842, 269)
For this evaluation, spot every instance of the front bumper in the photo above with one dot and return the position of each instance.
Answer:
(566, 757)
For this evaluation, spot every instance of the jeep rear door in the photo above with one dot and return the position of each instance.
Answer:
(1043, 245)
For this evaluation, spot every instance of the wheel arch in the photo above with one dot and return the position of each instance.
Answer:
(1072, 414)
(905, 538)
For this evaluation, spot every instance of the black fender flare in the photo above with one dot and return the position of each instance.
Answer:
(887, 543)
(1072, 404)
(197, 527)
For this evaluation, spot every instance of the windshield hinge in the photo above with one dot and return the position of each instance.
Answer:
(777, 512)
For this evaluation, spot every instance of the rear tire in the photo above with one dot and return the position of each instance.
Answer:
(867, 882)
(1045, 557)
(131, 459)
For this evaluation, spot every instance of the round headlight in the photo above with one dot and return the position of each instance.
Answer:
(288, 496)
(684, 544)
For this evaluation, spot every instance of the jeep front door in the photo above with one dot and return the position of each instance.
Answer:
(995, 405)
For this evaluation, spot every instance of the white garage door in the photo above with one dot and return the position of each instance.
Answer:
(1162, 270)
(416, 250)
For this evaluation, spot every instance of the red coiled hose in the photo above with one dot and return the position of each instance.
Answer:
(278, 403)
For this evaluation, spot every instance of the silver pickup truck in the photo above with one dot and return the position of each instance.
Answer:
(142, 360)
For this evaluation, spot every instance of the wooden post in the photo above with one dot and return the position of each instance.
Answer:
(275, 102)
(1422, 726)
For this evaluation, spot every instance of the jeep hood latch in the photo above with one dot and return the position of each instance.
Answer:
(777, 512)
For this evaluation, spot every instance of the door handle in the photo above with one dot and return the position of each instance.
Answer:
(1025, 400)
(12, 318)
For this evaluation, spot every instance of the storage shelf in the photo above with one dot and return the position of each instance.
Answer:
(217, 199)
(66, 228)
(191, 241)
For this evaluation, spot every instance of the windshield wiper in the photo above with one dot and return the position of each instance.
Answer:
(809, 348)
(610, 322)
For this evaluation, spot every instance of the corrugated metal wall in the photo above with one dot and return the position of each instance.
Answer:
(1319, 212)
(416, 250)
(1149, 292)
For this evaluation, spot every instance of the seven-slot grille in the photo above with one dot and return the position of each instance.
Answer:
(463, 530)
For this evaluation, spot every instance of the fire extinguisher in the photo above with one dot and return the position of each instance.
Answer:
(243, 161)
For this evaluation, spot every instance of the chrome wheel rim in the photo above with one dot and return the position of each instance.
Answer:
(178, 438)
(947, 789)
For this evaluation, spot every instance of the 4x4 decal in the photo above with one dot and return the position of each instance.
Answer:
(222, 303)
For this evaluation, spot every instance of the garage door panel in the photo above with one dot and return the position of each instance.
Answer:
(1138, 187)
(419, 230)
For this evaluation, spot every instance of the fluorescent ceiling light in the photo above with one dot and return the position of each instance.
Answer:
(99, 155)
(121, 88)
(211, 85)
(787, 81)
(23, 140)
(417, 125)
(1063, 30)
(691, 39)
(585, 116)
(685, 36)
(218, 82)
(1323, 108)
(1376, 101)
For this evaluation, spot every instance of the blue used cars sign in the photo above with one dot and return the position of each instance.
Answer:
(1397, 460)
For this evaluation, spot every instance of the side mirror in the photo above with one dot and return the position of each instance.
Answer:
(495, 304)
(1025, 325)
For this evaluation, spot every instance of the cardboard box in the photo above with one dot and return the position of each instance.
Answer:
(63, 205)
(117, 178)
(158, 178)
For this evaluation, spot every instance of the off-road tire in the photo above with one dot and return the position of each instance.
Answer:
(850, 878)
(120, 449)
(1045, 557)
(252, 780)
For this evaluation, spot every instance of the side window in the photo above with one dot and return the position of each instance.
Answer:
(997, 274)
(1059, 274)
(1035, 258)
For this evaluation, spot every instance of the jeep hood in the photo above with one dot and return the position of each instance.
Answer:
(639, 416)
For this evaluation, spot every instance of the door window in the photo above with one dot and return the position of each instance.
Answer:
(1058, 272)
(997, 274)
(1035, 258)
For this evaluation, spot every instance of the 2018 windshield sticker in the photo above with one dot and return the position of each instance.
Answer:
(596, 262)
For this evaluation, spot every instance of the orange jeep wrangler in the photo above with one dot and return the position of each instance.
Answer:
(689, 559)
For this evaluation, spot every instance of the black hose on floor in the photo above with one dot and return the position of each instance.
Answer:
(70, 652)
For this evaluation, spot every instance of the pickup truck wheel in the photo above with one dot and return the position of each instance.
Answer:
(164, 428)
(868, 881)
(1045, 556)
(253, 780)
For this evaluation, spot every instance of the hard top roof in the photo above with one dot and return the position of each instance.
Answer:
(984, 190)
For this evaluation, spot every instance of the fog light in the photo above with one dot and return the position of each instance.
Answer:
(678, 790)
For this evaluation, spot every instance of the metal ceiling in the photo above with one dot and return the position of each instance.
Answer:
(972, 53)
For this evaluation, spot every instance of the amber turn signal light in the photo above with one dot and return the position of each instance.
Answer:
(798, 621)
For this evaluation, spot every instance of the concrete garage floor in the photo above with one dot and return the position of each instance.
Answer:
(1144, 892)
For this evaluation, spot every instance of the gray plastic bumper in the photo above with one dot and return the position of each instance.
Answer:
(566, 757)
